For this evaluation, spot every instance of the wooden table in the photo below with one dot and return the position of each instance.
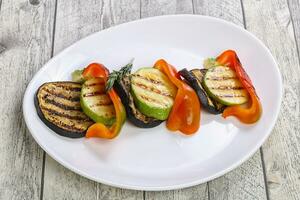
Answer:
(32, 31)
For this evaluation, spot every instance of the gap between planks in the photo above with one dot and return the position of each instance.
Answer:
(260, 149)
(52, 53)
(293, 24)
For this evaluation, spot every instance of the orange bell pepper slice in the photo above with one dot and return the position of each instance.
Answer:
(252, 113)
(94, 70)
(185, 113)
(102, 131)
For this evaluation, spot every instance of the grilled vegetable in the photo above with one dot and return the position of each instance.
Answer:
(185, 113)
(58, 106)
(153, 92)
(94, 70)
(77, 76)
(222, 84)
(99, 108)
(210, 62)
(120, 80)
(252, 112)
(194, 79)
(137, 118)
(95, 102)
(102, 131)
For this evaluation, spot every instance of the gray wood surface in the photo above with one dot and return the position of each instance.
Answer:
(31, 31)
(26, 32)
(294, 6)
(90, 16)
(151, 8)
(247, 181)
(271, 22)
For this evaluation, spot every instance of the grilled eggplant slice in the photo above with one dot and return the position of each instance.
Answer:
(222, 84)
(153, 92)
(122, 87)
(194, 78)
(58, 106)
(96, 103)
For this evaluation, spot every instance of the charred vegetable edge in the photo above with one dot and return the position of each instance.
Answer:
(192, 81)
(52, 126)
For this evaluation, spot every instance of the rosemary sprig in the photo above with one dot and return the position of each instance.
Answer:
(117, 75)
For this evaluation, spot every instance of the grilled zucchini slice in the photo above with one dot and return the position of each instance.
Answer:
(153, 92)
(222, 84)
(96, 103)
(194, 78)
(58, 106)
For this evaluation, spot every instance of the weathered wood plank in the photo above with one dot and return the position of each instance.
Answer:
(294, 7)
(83, 18)
(158, 7)
(247, 181)
(150, 8)
(26, 32)
(271, 22)
(2, 48)
(227, 10)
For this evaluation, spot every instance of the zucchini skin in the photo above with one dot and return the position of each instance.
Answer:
(96, 117)
(52, 126)
(123, 90)
(157, 89)
(235, 85)
(193, 82)
(157, 113)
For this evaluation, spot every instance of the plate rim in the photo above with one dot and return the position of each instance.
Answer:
(171, 186)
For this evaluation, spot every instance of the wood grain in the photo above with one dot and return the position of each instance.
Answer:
(294, 7)
(247, 181)
(26, 32)
(2, 48)
(151, 8)
(26, 38)
(227, 10)
(271, 22)
(83, 18)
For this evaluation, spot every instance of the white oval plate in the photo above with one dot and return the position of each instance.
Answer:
(157, 159)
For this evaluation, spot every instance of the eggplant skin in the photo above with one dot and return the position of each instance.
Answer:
(40, 99)
(122, 87)
(203, 97)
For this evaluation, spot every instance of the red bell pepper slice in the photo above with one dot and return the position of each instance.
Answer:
(252, 113)
(95, 70)
(185, 113)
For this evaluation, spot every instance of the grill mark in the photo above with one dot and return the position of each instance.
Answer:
(152, 89)
(56, 113)
(92, 94)
(69, 88)
(230, 95)
(151, 100)
(61, 95)
(148, 79)
(224, 69)
(71, 127)
(62, 106)
(94, 84)
(101, 104)
(220, 78)
(227, 88)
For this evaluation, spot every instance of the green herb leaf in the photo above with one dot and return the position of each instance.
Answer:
(118, 75)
